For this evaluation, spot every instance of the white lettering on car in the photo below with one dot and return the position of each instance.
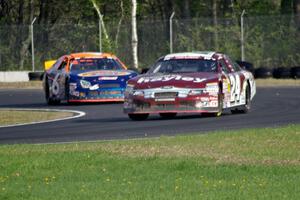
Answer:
(169, 78)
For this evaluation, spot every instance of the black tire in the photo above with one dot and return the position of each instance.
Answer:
(35, 76)
(49, 100)
(263, 72)
(282, 72)
(67, 90)
(295, 72)
(245, 108)
(138, 117)
(167, 115)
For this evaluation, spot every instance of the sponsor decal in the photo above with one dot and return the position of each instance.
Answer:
(104, 73)
(213, 104)
(170, 78)
(108, 78)
(212, 98)
(82, 94)
(212, 88)
(204, 99)
(94, 87)
(72, 86)
(74, 93)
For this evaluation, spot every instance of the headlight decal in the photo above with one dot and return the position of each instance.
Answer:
(212, 88)
(138, 93)
(85, 84)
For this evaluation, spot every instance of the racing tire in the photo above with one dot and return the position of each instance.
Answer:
(282, 72)
(245, 108)
(49, 100)
(35, 76)
(295, 72)
(67, 91)
(138, 117)
(167, 115)
(263, 72)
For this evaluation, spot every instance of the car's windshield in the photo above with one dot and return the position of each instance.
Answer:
(88, 64)
(184, 66)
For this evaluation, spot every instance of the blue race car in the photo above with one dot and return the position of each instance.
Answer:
(86, 77)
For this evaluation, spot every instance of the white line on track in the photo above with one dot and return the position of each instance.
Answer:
(78, 114)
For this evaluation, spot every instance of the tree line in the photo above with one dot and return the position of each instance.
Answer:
(16, 15)
(56, 11)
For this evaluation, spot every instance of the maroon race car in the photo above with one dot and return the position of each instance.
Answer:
(196, 82)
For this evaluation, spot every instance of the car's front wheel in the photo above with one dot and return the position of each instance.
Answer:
(138, 117)
(50, 100)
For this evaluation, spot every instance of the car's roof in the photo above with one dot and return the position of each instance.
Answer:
(92, 55)
(188, 55)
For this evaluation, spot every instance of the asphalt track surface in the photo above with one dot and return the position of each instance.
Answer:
(271, 107)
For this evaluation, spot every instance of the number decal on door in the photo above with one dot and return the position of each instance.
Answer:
(235, 87)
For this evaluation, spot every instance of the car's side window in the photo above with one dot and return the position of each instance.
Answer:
(57, 63)
(234, 65)
(224, 66)
(62, 66)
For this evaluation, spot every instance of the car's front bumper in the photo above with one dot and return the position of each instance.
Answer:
(198, 104)
(108, 95)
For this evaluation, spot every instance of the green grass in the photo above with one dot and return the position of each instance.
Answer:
(11, 117)
(245, 164)
(21, 85)
(271, 82)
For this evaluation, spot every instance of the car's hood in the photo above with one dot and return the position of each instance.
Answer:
(99, 73)
(182, 80)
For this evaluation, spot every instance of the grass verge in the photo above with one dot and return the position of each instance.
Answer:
(245, 164)
(21, 85)
(259, 82)
(271, 82)
(12, 117)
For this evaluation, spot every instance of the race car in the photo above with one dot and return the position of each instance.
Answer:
(86, 77)
(193, 82)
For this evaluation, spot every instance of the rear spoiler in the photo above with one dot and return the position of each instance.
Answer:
(48, 64)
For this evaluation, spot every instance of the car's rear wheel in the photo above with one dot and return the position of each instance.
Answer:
(246, 107)
(138, 117)
(167, 115)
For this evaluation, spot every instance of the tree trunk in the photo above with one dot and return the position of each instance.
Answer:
(120, 23)
(186, 10)
(286, 6)
(26, 43)
(296, 5)
(101, 19)
(134, 38)
(215, 23)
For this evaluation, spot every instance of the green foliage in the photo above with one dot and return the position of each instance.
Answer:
(72, 26)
